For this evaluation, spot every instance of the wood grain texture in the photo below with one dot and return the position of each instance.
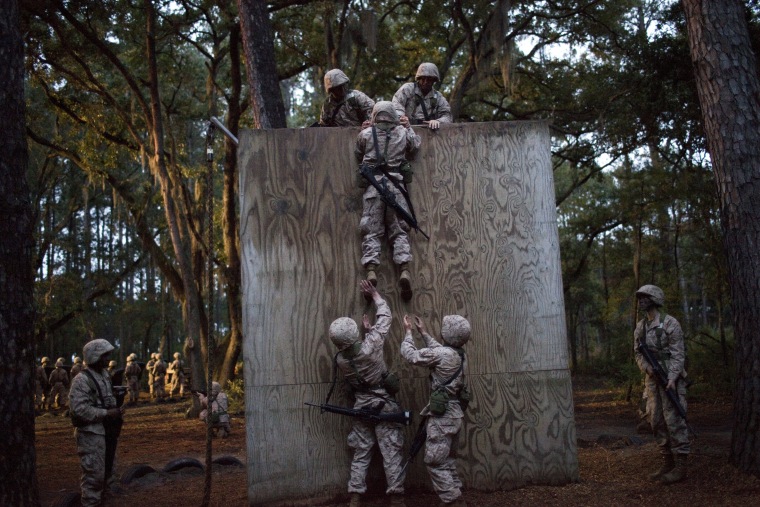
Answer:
(484, 193)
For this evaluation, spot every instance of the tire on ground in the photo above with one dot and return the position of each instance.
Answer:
(227, 461)
(180, 463)
(136, 472)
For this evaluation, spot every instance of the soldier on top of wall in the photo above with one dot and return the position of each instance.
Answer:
(59, 385)
(448, 398)
(344, 107)
(390, 143)
(663, 336)
(420, 102)
(363, 366)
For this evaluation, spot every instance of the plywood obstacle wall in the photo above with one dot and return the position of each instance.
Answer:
(484, 193)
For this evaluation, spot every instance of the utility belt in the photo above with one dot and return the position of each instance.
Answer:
(404, 169)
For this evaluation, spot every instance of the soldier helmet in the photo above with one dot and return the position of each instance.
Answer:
(176, 355)
(77, 360)
(59, 362)
(94, 349)
(335, 78)
(130, 359)
(655, 293)
(455, 330)
(216, 388)
(132, 356)
(112, 364)
(153, 355)
(45, 360)
(384, 111)
(344, 332)
(427, 69)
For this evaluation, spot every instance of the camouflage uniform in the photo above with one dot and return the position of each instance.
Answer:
(178, 376)
(59, 383)
(669, 427)
(351, 110)
(363, 366)
(75, 368)
(443, 430)
(132, 372)
(159, 377)
(409, 98)
(219, 407)
(41, 385)
(396, 145)
(86, 407)
(149, 368)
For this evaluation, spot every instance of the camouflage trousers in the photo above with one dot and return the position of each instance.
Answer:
(39, 396)
(134, 388)
(158, 386)
(58, 395)
(91, 449)
(379, 220)
(442, 436)
(177, 381)
(669, 428)
(390, 439)
(150, 385)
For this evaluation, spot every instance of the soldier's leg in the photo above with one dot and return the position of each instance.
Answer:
(92, 457)
(440, 464)
(390, 439)
(372, 228)
(151, 383)
(361, 439)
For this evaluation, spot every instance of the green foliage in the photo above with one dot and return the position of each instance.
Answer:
(235, 390)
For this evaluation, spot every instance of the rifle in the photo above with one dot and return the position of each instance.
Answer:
(368, 173)
(373, 416)
(662, 378)
(119, 393)
(417, 443)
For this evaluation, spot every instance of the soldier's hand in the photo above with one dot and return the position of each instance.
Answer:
(404, 120)
(433, 124)
(671, 385)
(113, 413)
(366, 123)
(420, 325)
(649, 371)
(368, 289)
(407, 323)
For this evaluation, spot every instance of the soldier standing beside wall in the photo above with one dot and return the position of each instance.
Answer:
(663, 336)
(444, 413)
(363, 365)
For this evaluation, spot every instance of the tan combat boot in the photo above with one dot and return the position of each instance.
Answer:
(678, 473)
(405, 282)
(668, 462)
(371, 275)
(355, 500)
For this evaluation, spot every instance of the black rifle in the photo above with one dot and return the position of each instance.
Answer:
(662, 378)
(374, 415)
(417, 443)
(389, 198)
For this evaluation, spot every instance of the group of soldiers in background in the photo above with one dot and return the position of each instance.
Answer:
(52, 389)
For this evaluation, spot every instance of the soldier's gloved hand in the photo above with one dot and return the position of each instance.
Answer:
(113, 413)
(433, 124)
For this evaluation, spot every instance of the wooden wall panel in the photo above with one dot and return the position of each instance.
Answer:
(484, 193)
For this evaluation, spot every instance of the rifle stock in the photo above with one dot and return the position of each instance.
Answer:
(662, 378)
(417, 443)
(404, 417)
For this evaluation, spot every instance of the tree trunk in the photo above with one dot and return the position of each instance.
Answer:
(17, 465)
(258, 45)
(728, 87)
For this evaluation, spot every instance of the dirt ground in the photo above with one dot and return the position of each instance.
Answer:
(613, 461)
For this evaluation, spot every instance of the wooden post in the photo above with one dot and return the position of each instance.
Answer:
(484, 192)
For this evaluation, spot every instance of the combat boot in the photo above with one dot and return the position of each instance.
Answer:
(678, 473)
(405, 282)
(397, 501)
(355, 500)
(371, 275)
(668, 462)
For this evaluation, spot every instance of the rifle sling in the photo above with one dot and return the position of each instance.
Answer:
(421, 102)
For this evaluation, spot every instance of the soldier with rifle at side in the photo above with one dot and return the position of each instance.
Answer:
(383, 151)
(97, 418)
(660, 354)
(363, 366)
(448, 399)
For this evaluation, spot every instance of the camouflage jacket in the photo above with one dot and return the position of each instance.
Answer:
(665, 339)
(408, 100)
(59, 375)
(350, 112)
(85, 404)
